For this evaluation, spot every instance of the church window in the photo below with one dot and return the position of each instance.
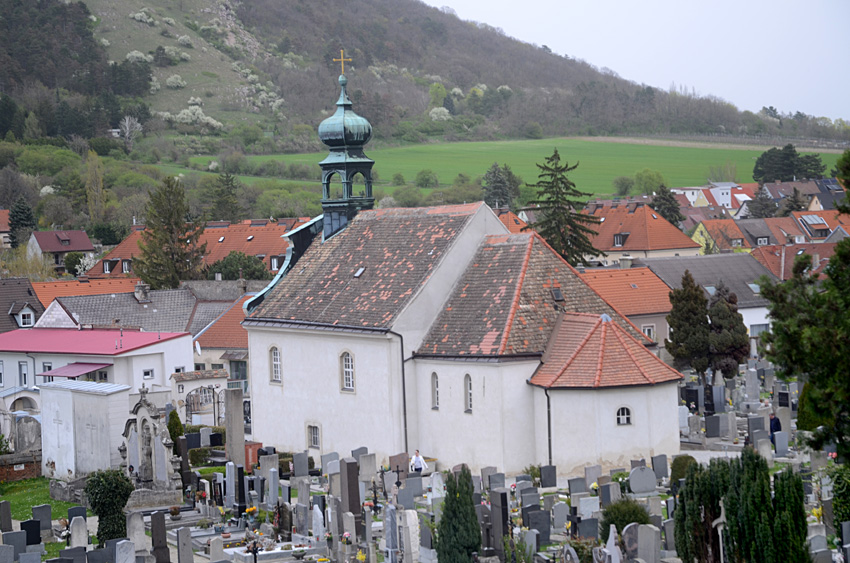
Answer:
(313, 440)
(467, 386)
(275, 363)
(624, 416)
(347, 368)
(435, 391)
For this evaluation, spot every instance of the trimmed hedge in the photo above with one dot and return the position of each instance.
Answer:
(199, 456)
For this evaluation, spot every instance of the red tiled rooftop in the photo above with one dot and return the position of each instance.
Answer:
(227, 331)
(779, 259)
(723, 232)
(647, 230)
(4, 221)
(591, 352)
(96, 342)
(48, 291)
(510, 219)
(633, 291)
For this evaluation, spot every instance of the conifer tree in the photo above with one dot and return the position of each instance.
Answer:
(225, 203)
(666, 205)
(170, 252)
(762, 206)
(21, 222)
(496, 189)
(458, 535)
(689, 331)
(567, 230)
(728, 340)
(795, 202)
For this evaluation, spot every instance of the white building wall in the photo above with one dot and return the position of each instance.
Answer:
(500, 429)
(57, 434)
(55, 317)
(585, 429)
(310, 391)
(93, 440)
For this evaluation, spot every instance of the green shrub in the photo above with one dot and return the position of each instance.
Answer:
(534, 472)
(622, 478)
(840, 475)
(199, 456)
(175, 429)
(809, 416)
(621, 514)
(679, 467)
(107, 493)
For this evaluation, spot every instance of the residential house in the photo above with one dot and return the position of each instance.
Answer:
(21, 304)
(48, 291)
(636, 231)
(818, 225)
(740, 272)
(29, 358)
(779, 259)
(261, 238)
(637, 293)
(511, 220)
(56, 244)
(5, 230)
(720, 235)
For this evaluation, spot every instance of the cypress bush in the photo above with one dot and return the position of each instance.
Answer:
(458, 534)
(175, 429)
(107, 492)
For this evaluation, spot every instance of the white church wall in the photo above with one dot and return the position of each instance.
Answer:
(498, 431)
(428, 302)
(585, 429)
(310, 394)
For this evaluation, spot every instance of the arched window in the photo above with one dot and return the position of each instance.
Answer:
(467, 386)
(624, 416)
(346, 363)
(274, 369)
(435, 391)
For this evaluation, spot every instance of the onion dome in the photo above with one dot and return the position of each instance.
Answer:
(344, 128)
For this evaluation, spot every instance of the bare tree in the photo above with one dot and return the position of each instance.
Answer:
(130, 129)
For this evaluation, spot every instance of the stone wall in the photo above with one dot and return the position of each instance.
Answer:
(18, 466)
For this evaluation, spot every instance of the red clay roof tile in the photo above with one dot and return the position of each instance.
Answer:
(633, 291)
(647, 230)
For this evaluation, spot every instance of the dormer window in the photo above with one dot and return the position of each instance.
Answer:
(27, 319)
(65, 242)
(620, 239)
(107, 267)
(125, 266)
(275, 265)
(737, 243)
(761, 241)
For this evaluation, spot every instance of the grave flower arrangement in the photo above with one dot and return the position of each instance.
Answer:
(346, 538)
(329, 536)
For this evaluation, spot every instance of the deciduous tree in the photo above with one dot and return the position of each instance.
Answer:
(688, 321)
(95, 194)
(648, 181)
(236, 263)
(623, 185)
(170, 249)
(567, 230)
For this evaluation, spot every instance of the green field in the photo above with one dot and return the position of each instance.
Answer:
(599, 162)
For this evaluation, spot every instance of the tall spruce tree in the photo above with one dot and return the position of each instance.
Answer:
(688, 321)
(225, 204)
(666, 205)
(727, 339)
(458, 534)
(497, 192)
(762, 206)
(170, 249)
(568, 231)
(21, 222)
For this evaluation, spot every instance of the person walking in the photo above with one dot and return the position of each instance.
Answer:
(417, 463)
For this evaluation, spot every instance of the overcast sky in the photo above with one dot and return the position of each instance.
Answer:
(790, 54)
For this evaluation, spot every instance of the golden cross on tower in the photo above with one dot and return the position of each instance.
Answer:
(341, 60)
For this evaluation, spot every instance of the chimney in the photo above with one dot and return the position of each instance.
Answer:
(625, 262)
(142, 292)
(218, 276)
(815, 261)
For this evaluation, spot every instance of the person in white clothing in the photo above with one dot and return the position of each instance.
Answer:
(417, 463)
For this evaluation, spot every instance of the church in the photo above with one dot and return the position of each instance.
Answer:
(439, 330)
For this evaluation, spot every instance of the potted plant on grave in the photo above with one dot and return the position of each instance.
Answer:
(174, 511)
(346, 538)
(329, 537)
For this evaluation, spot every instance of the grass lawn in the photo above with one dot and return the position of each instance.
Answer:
(23, 495)
(599, 162)
(53, 549)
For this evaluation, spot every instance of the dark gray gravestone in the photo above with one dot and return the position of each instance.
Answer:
(712, 426)
(405, 498)
(356, 453)
(414, 483)
(718, 393)
(638, 463)
(499, 511)
(5, 516)
(629, 535)
(216, 439)
(183, 448)
(526, 511)
(43, 514)
(399, 462)
(845, 533)
(33, 530)
(193, 440)
(485, 475)
(577, 485)
(784, 399)
(301, 467)
(754, 423)
(609, 493)
(75, 554)
(350, 489)
(60, 560)
(548, 476)
(497, 481)
(659, 466)
(541, 520)
(530, 497)
(159, 540)
(99, 556)
(18, 540)
(588, 528)
(76, 511)
(7, 554)
(29, 557)
(759, 435)
(523, 477)
(285, 493)
(425, 539)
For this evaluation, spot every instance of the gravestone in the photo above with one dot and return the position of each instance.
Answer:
(267, 462)
(391, 531)
(357, 452)
(784, 416)
(205, 433)
(125, 552)
(718, 394)
(437, 485)
(759, 435)
(159, 541)
(326, 459)
(671, 506)
(781, 441)
(694, 427)
(301, 467)
(669, 526)
(499, 516)
(76, 511)
(588, 528)
(654, 506)
(333, 467)
(642, 481)
(485, 475)
(301, 511)
(318, 527)
(731, 426)
(99, 556)
(817, 543)
(712, 426)
(136, 529)
(235, 426)
(752, 385)
(368, 467)
(7, 554)
(569, 554)
(638, 463)
(532, 542)
(184, 546)
(350, 491)
(414, 484)
(522, 485)
(845, 533)
(683, 419)
(274, 489)
(405, 498)
(476, 484)
(75, 554)
(754, 423)
(548, 476)
(629, 537)
(230, 485)
(649, 543)
(216, 549)
(659, 466)
(591, 475)
(541, 520)
(560, 515)
(587, 506)
(18, 540)
(29, 558)
(193, 441)
(523, 477)
(765, 450)
(33, 530)
(285, 492)
(79, 533)
(497, 481)
(400, 462)
(43, 514)
(5, 516)
(609, 493)
(577, 485)
(425, 538)
(302, 485)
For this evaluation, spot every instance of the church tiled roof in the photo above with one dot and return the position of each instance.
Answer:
(509, 299)
(590, 351)
(364, 275)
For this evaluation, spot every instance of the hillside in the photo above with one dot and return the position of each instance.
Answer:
(270, 62)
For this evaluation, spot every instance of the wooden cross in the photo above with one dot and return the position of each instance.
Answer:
(341, 60)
